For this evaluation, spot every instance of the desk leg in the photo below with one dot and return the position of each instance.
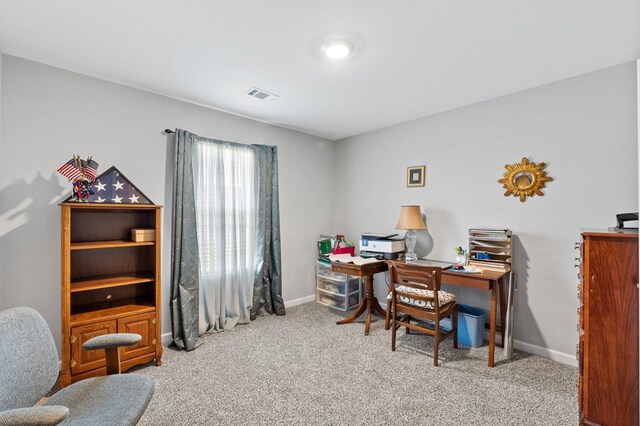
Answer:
(376, 307)
(503, 310)
(367, 304)
(367, 323)
(352, 318)
(492, 322)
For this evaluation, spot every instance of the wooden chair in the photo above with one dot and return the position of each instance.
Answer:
(415, 294)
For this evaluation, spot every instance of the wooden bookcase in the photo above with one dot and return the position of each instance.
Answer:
(110, 284)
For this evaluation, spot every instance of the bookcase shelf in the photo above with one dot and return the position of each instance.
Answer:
(98, 311)
(91, 245)
(110, 281)
(109, 284)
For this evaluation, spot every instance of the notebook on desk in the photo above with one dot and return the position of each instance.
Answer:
(432, 263)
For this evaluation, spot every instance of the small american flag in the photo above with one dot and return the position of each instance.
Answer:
(70, 169)
(90, 170)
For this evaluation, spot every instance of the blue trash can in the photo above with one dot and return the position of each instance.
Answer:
(471, 323)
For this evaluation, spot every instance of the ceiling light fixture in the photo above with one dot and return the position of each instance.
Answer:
(337, 49)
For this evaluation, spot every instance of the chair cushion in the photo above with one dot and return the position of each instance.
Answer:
(109, 400)
(111, 341)
(443, 297)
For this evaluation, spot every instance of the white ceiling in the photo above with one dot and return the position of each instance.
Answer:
(413, 57)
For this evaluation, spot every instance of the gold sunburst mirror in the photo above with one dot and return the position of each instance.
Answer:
(524, 179)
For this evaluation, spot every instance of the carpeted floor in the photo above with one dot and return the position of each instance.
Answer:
(303, 369)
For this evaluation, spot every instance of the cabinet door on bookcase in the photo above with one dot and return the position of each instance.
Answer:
(81, 360)
(145, 326)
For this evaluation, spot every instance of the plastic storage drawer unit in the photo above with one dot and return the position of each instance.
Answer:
(339, 291)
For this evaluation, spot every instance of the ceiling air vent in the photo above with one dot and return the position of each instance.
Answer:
(261, 94)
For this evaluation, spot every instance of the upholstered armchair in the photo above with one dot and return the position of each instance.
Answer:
(29, 368)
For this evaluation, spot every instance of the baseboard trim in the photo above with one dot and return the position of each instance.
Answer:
(546, 353)
(166, 339)
(300, 301)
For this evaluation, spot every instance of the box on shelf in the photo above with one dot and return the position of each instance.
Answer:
(141, 234)
(344, 250)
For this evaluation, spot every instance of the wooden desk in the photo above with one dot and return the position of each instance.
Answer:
(490, 281)
(369, 302)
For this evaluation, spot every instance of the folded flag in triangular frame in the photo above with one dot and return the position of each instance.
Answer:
(112, 187)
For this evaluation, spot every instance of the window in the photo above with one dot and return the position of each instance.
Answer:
(226, 195)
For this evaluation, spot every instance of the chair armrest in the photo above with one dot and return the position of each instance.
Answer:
(37, 416)
(111, 341)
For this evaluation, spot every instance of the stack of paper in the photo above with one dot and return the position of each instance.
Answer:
(357, 260)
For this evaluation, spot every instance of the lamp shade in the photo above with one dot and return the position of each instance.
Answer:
(410, 218)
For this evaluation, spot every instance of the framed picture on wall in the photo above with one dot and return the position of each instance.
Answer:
(415, 175)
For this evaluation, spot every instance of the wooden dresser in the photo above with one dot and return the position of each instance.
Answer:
(110, 284)
(608, 345)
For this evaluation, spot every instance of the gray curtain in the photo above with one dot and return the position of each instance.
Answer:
(185, 268)
(184, 248)
(267, 287)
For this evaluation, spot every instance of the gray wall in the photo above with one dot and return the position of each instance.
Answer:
(583, 128)
(0, 105)
(49, 114)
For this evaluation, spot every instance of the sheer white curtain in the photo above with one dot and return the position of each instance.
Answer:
(226, 197)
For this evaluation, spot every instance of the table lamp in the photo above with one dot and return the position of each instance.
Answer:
(410, 220)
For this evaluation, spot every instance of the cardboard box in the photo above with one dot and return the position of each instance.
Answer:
(140, 234)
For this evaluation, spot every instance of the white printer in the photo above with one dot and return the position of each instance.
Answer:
(381, 246)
